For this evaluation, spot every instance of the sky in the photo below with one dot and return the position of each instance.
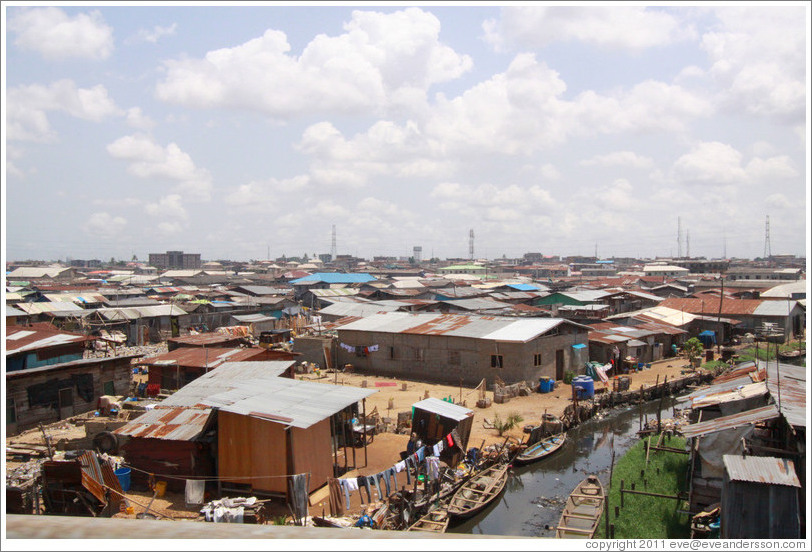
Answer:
(248, 132)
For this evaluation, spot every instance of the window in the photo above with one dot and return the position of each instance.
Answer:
(108, 388)
(454, 358)
(11, 411)
(418, 354)
(496, 361)
(537, 359)
(392, 353)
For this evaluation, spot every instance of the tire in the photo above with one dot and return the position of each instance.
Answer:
(106, 442)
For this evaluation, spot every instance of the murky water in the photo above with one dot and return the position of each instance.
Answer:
(535, 495)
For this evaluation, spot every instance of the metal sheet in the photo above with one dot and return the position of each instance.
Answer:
(733, 421)
(444, 408)
(787, 385)
(761, 469)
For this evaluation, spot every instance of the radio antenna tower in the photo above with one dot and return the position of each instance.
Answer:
(688, 243)
(767, 251)
(333, 247)
(471, 244)
(679, 238)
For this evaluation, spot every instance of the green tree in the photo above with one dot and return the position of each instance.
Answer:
(693, 348)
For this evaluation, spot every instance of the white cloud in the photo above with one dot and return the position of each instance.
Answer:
(620, 159)
(758, 59)
(137, 119)
(168, 207)
(710, 163)
(154, 34)
(382, 61)
(28, 107)
(778, 201)
(105, 224)
(57, 36)
(616, 27)
(264, 195)
(772, 168)
(148, 159)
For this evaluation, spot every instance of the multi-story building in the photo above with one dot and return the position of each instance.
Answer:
(175, 259)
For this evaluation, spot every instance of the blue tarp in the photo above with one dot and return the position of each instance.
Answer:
(579, 346)
(708, 338)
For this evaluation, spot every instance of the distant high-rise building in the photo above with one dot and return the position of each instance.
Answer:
(175, 259)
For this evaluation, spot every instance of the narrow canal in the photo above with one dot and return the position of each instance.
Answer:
(535, 495)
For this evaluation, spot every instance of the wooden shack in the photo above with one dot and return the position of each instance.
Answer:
(760, 498)
(433, 419)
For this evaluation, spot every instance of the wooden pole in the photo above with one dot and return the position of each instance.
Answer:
(364, 405)
(621, 492)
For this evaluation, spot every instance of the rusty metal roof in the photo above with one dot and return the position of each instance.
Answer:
(761, 469)
(181, 423)
(494, 328)
(444, 409)
(791, 400)
(710, 305)
(202, 357)
(23, 338)
(733, 421)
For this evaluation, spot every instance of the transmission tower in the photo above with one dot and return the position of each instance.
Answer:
(679, 238)
(333, 247)
(471, 244)
(767, 251)
(688, 243)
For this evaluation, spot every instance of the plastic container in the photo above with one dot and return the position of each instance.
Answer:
(160, 488)
(123, 475)
(586, 385)
(545, 385)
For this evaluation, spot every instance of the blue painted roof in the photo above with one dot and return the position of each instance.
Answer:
(336, 278)
(523, 287)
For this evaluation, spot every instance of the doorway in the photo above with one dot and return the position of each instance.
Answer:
(559, 364)
(65, 403)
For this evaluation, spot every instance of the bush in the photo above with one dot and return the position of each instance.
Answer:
(513, 419)
(569, 375)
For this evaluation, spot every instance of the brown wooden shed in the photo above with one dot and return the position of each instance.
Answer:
(433, 419)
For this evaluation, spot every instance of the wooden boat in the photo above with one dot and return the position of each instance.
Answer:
(435, 521)
(478, 491)
(543, 448)
(582, 511)
(789, 355)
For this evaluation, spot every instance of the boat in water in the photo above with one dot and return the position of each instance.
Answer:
(540, 450)
(479, 491)
(583, 510)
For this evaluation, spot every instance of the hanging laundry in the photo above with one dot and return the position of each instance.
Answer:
(195, 489)
(433, 467)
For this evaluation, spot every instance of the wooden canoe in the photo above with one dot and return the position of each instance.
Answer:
(435, 521)
(479, 491)
(582, 511)
(543, 448)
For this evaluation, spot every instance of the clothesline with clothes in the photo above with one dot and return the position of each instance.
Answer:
(359, 349)
(389, 476)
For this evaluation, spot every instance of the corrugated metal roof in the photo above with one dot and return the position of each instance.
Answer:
(168, 423)
(745, 391)
(209, 338)
(336, 278)
(199, 357)
(233, 388)
(356, 309)
(444, 409)
(20, 339)
(774, 308)
(710, 305)
(134, 313)
(733, 421)
(785, 290)
(334, 292)
(251, 318)
(458, 325)
(792, 397)
(761, 469)
(11, 311)
(50, 307)
(477, 303)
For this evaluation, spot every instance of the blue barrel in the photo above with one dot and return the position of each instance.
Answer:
(123, 475)
(587, 387)
(545, 385)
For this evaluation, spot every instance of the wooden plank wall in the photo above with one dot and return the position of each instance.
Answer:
(249, 448)
(312, 453)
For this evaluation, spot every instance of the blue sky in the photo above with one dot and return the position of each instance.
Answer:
(238, 131)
